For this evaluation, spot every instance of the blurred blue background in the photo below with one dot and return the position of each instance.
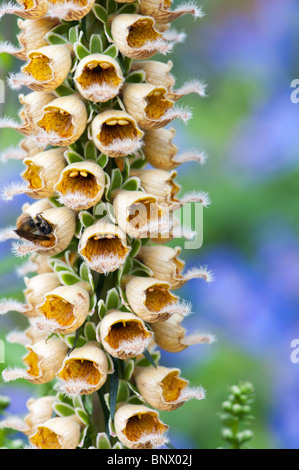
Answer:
(247, 52)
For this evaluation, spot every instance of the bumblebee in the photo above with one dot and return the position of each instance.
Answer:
(34, 229)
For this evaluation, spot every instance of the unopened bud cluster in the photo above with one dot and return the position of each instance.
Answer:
(100, 283)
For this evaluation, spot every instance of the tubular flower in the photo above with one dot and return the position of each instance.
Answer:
(150, 106)
(99, 294)
(161, 153)
(104, 247)
(43, 360)
(123, 334)
(64, 309)
(63, 122)
(84, 370)
(139, 427)
(98, 78)
(32, 36)
(57, 433)
(137, 38)
(138, 213)
(116, 133)
(81, 185)
(40, 410)
(46, 69)
(164, 389)
(166, 265)
(29, 9)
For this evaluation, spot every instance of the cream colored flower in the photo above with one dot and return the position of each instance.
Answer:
(63, 122)
(151, 299)
(139, 214)
(136, 36)
(63, 310)
(43, 361)
(30, 9)
(166, 265)
(57, 433)
(104, 247)
(98, 77)
(160, 10)
(84, 370)
(46, 69)
(159, 183)
(171, 336)
(81, 185)
(70, 10)
(163, 388)
(158, 73)
(32, 36)
(40, 410)
(123, 334)
(150, 106)
(48, 232)
(42, 173)
(139, 427)
(36, 288)
(116, 133)
(30, 336)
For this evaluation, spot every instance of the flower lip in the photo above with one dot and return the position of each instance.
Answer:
(98, 77)
(81, 185)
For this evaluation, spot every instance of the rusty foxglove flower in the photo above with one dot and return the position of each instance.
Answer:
(116, 133)
(98, 78)
(57, 433)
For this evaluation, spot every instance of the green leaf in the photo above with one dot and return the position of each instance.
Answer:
(102, 309)
(64, 90)
(102, 160)
(130, 8)
(93, 302)
(111, 6)
(86, 218)
(90, 151)
(114, 381)
(63, 409)
(129, 369)
(112, 51)
(132, 184)
(127, 62)
(140, 267)
(136, 77)
(116, 179)
(102, 441)
(72, 341)
(68, 278)
(73, 157)
(56, 39)
(74, 34)
(112, 299)
(81, 51)
(100, 13)
(135, 247)
(96, 44)
(61, 29)
(123, 391)
(90, 331)
(82, 415)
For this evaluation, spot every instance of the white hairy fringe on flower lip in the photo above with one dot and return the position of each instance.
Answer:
(155, 439)
(13, 153)
(159, 45)
(134, 346)
(8, 234)
(60, 10)
(179, 112)
(181, 307)
(8, 48)
(18, 337)
(11, 374)
(13, 189)
(22, 249)
(18, 80)
(11, 305)
(175, 36)
(192, 86)
(75, 200)
(74, 387)
(161, 227)
(45, 324)
(13, 422)
(195, 196)
(7, 122)
(191, 155)
(25, 268)
(192, 8)
(200, 272)
(125, 146)
(100, 92)
(106, 263)
(43, 138)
